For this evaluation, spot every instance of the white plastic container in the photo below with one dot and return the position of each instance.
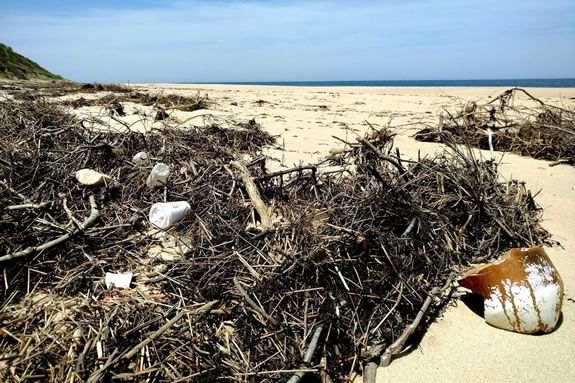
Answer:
(165, 214)
(141, 158)
(158, 176)
(523, 291)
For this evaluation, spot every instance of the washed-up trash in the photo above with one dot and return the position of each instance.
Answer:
(91, 177)
(118, 280)
(165, 214)
(158, 176)
(522, 292)
(141, 158)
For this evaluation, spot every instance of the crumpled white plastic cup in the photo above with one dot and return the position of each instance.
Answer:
(165, 214)
(159, 175)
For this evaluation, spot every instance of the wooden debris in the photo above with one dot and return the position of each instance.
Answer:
(542, 131)
(325, 298)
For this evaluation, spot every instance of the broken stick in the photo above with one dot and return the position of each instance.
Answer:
(381, 155)
(200, 310)
(254, 194)
(94, 214)
(370, 372)
(27, 206)
(253, 304)
(308, 354)
(397, 346)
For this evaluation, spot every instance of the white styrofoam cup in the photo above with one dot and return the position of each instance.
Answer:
(165, 214)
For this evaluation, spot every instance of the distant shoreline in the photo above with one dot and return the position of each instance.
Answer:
(526, 83)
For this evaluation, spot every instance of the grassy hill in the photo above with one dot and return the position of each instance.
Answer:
(14, 66)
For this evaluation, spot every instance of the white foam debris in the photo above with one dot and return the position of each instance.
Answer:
(118, 280)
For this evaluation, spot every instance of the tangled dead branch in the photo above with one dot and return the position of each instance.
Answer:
(541, 131)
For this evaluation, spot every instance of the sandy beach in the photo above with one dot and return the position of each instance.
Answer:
(460, 346)
(311, 121)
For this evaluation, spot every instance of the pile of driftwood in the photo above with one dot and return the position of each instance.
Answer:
(540, 131)
(272, 277)
(109, 96)
(36, 90)
(162, 102)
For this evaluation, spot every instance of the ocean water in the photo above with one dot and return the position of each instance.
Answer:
(522, 83)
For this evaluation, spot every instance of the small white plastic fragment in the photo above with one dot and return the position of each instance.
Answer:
(158, 176)
(91, 177)
(140, 158)
(165, 214)
(118, 280)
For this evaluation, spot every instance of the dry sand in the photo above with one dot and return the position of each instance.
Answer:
(460, 346)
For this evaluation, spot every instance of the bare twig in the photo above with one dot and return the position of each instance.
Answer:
(287, 171)
(397, 346)
(94, 214)
(253, 304)
(27, 206)
(308, 354)
(200, 310)
(381, 155)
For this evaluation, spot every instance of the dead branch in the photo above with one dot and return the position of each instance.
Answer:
(94, 214)
(253, 304)
(308, 354)
(199, 311)
(397, 346)
(255, 197)
(27, 206)
(381, 155)
(287, 171)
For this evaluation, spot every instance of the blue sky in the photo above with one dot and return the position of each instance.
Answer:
(281, 40)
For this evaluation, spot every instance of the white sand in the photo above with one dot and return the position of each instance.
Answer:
(460, 346)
